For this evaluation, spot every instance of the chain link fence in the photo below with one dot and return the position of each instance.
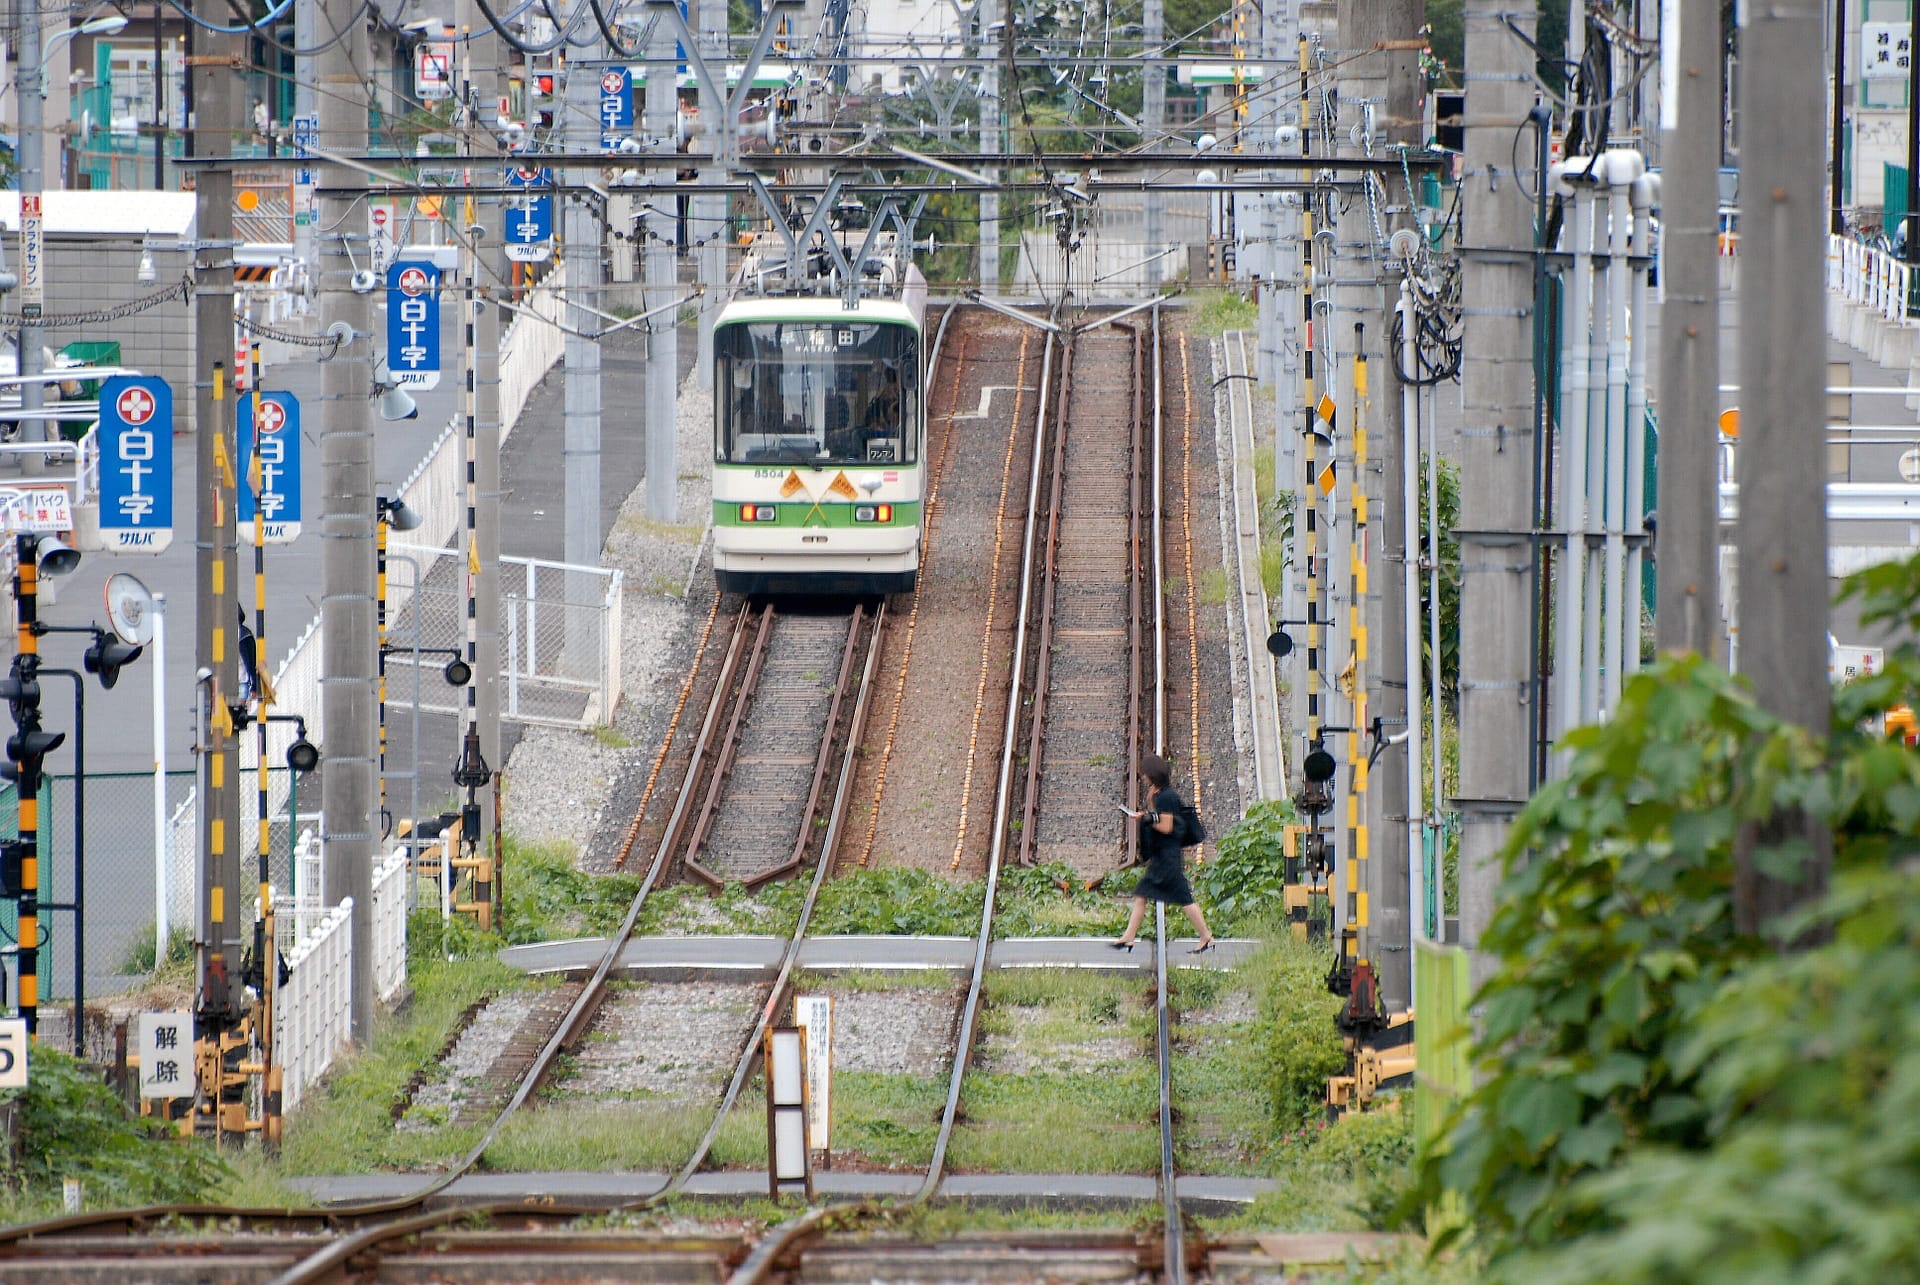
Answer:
(559, 635)
(123, 869)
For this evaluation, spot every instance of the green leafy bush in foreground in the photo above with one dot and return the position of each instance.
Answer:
(72, 1126)
(1243, 881)
(1661, 1096)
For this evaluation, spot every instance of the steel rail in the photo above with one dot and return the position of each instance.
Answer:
(1174, 1237)
(849, 655)
(739, 703)
(761, 1260)
(1036, 710)
(335, 1257)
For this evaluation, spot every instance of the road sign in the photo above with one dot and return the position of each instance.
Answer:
(166, 1055)
(13, 1053)
(136, 463)
(306, 132)
(616, 106)
(433, 70)
(413, 325)
(274, 470)
(383, 227)
(36, 508)
(814, 1015)
(529, 220)
(33, 262)
(1886, 50)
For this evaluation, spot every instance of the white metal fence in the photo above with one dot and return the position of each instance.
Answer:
(1871, 278)
(559, 635)
(313, 1020)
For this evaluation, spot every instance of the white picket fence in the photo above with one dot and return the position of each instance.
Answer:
(313, 1019)
(1871, 278)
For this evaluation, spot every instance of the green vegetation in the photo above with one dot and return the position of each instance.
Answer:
(1213, 587)
(1223, 1128)
(1447, 501)
(609, 737)
(1664, 1092)
(547, 897)
(139, 959)
(73, 1126)
(1218, 311)
(345, 1124)
(1064, 1071)
(1243, 881)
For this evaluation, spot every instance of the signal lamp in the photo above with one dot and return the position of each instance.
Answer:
(107, 656)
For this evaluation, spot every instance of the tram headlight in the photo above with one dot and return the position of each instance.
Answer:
(757, 513)
(873, 513)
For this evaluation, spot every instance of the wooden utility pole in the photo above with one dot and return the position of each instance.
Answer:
(349, 645)
(1687, 594)
(1782, 525)
(1496, 449)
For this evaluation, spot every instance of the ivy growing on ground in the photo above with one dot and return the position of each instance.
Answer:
(1243, 881)
(73, 1126)
(1660, 1096)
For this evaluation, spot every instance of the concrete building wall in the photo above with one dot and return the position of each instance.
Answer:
(93, 273)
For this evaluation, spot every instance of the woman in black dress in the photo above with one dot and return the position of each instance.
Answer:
(1166, 876)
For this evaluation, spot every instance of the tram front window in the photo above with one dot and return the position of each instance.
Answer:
(816, 393)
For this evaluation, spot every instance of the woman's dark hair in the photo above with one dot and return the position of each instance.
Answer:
(1157, 770)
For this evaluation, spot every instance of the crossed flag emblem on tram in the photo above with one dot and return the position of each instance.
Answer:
(840, 486)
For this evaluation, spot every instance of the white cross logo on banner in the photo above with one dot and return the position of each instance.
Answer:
(613, 82)
(272, 417)
(135, 406)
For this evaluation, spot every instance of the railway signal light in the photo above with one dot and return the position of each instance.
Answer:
(27, 750)
(107, 656)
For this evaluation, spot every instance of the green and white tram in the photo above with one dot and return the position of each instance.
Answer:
(819, 475)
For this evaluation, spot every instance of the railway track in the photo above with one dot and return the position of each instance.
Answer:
(750, 744)
(1088, 649)
(763, 765)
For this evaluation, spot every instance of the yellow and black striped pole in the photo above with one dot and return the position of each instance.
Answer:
(1356, 917)
(264, 952)
(26, 587)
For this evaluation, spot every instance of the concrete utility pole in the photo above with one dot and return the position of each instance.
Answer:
(487, 87)
(582, 356)
(1782, 534)
(1153, 115)
(1495, 453)
(350, 788)
(216, 597)
(663, 336)
(991, 111)
(709, 223)
(1687, 593)
(1388, 700)
(1356, 320)
(28, 81)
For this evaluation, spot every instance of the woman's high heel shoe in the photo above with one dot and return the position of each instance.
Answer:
(1122, 945)
(1205, 946)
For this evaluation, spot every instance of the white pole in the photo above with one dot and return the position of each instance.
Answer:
(1621, 171)
(1410, 606)
(1572, 517)
(162, 857)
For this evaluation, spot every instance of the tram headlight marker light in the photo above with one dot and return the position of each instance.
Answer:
(758, 513)
(873, 513)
